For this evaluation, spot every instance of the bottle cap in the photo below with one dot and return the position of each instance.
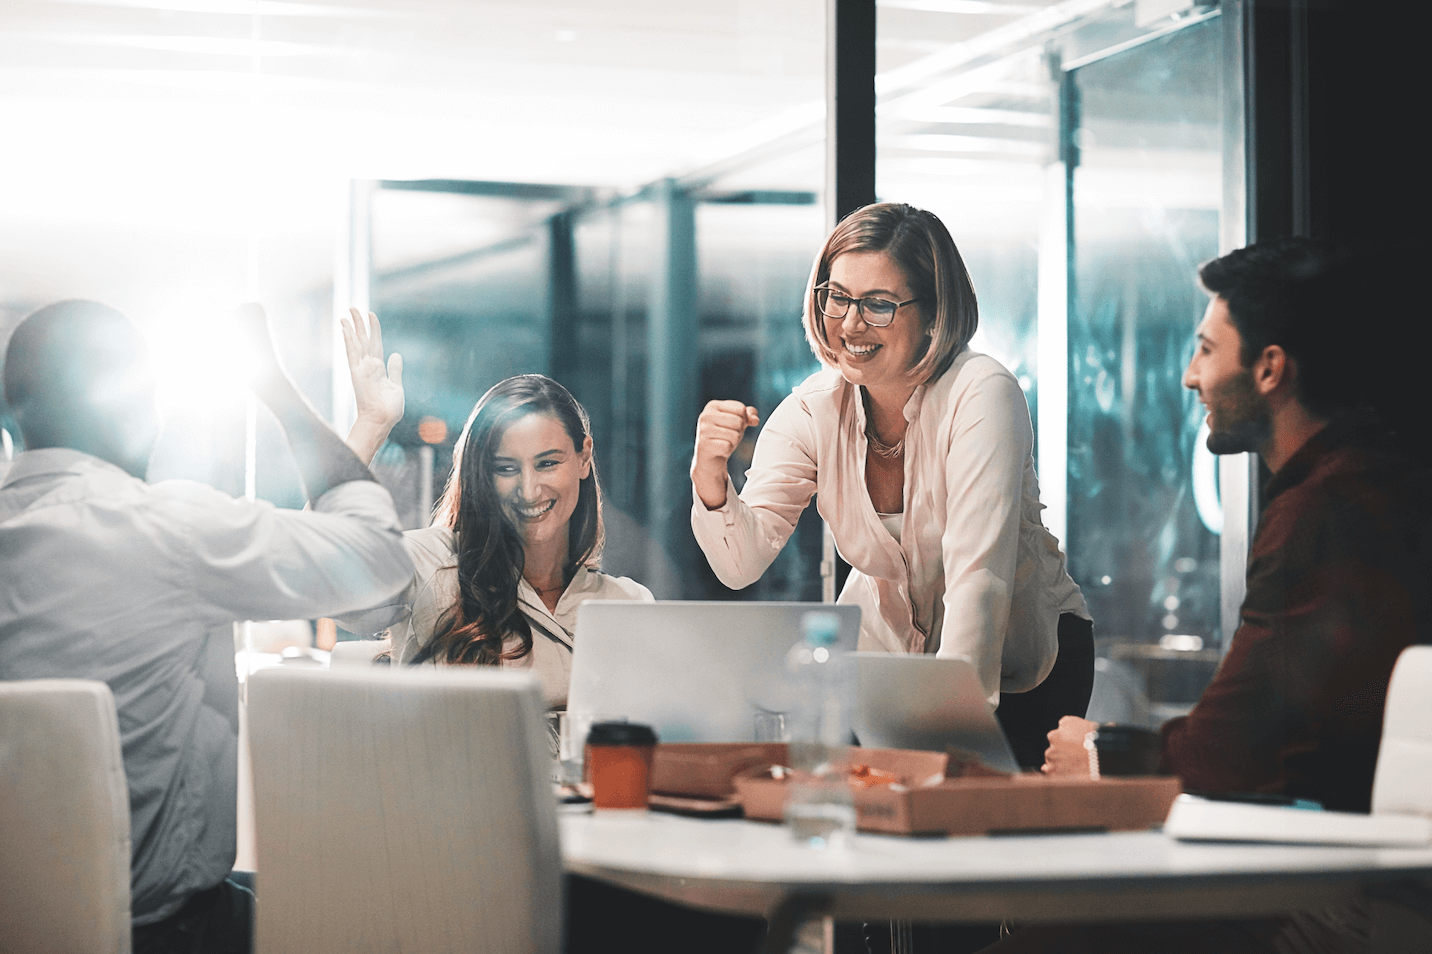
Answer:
(820, 628)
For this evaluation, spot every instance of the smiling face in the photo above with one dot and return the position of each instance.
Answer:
(537, 473)
(1239, 418)
(877, 358)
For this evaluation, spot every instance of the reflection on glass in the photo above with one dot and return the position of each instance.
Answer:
(1076, 157)
(1146, 199)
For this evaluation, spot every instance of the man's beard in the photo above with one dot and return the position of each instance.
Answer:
(1239, 420)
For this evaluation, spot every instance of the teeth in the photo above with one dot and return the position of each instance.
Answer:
(861, 350)
(531, 513)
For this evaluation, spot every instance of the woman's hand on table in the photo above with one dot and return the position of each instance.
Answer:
(719, 430)
(377, 387)
(1068, 752)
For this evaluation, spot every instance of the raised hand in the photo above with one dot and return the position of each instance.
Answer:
(377, 388)
(718, 433)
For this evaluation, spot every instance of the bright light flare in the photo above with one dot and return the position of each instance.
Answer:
(201, 360)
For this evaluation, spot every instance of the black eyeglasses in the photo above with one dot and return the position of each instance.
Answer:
(877, 312)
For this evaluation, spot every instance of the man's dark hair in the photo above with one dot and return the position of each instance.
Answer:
(1296, 293)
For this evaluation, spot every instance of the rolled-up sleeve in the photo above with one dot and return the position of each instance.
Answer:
(252, 560)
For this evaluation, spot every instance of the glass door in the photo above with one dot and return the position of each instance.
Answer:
(1144, 139)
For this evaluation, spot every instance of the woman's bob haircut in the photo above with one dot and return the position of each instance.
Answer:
(921, 246)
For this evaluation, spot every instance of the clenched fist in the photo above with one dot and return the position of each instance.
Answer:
(718, 433)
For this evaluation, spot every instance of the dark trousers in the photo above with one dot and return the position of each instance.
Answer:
(1028, 717)
(219, 920)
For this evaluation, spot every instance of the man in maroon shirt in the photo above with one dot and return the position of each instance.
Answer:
(1338, 576)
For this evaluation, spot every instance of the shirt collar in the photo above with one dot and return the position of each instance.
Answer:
(582, 581)
(54, 461)
(1357, 427)
(911, 411)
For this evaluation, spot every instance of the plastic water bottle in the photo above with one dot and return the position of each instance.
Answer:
(818, 809)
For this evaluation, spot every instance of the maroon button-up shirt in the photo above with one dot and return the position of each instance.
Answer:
(1338, 586)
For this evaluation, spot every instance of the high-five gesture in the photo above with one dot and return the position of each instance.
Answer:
(377, 387)
(718, 433)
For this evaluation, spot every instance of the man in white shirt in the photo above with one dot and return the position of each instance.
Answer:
(107, 577)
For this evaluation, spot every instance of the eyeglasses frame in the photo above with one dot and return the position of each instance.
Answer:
(859, 306)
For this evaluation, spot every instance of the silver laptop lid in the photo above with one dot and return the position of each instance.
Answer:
(693, 671)
(914, 701)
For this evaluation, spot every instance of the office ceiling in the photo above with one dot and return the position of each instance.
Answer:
(199, 138)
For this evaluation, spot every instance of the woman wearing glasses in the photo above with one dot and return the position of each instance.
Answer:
(918, 451)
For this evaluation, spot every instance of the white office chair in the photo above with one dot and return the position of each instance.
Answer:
(403, 809)
(64, 820)
(358, 652)
(1402, 784)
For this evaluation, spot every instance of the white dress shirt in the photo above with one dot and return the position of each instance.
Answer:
(973, 571)
(413, 616)
(107, 577)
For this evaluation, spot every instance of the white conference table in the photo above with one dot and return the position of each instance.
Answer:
(752, 868)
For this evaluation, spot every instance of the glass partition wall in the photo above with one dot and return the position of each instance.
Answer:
(1078, 154)
(645, 306)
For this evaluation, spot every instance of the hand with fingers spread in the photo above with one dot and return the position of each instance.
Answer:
(377, 387)
(718, 433)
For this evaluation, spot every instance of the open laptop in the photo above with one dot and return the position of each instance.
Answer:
(922, 702)
(693, 671)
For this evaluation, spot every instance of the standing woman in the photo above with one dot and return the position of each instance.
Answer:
(919, 452)
(515, 543)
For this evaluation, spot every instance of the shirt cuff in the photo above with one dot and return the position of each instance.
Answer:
(726, 513)
(366, 499)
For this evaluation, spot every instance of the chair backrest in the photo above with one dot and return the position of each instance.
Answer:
(64, 819)
(358, 652)
(1402, 784)
(403, 809)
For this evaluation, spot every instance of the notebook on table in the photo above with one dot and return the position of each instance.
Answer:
(1199, 819)
(914, 701)
(693, 671)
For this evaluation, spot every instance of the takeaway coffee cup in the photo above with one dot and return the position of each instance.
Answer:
(1126, 750)
(619, 756)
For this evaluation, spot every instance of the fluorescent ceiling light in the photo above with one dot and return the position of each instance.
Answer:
(209, 45)
(265, 8)
(977, 116)
(966, 7)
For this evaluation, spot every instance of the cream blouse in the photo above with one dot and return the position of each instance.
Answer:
(412, 616)
(974, 572)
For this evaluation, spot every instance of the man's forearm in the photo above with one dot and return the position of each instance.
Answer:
(324, 461)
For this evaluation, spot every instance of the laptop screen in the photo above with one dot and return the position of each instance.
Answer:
(693, 671)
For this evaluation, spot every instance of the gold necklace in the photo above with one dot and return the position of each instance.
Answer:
(882, 449)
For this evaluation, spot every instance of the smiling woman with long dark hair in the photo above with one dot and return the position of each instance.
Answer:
(515, 543)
